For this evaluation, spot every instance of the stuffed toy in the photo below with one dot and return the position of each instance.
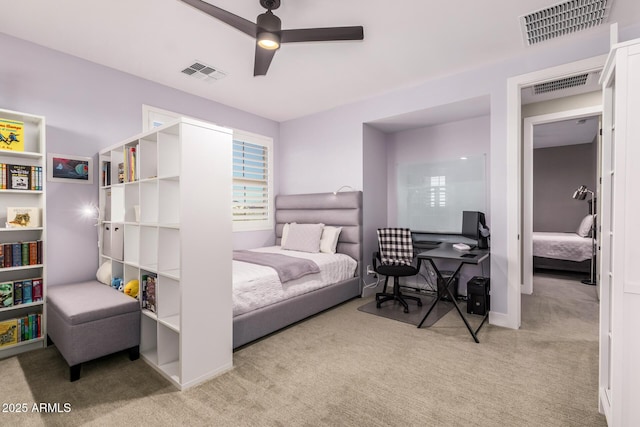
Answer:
(117, 284)
(131, 288)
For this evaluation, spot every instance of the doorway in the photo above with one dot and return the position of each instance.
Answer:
(514, 175)
(564, 140)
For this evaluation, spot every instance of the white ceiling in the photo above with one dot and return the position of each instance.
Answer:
(405, 42)
(566, 132)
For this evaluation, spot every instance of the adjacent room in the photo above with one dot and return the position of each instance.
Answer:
(267, 212)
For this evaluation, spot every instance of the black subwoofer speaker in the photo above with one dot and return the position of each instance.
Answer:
(478, 299)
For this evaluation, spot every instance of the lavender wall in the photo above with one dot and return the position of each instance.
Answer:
(374, 191)
(88, 107)
(339, 132)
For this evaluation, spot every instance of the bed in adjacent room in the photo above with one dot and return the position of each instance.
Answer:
(564, 251)
(294, 279)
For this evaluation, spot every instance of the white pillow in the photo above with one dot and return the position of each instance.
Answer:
(329, 239)
(285, 233)
(104, 273)
(585, 226)
(304, 237)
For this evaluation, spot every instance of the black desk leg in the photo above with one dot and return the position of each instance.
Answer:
(455, 303)
(446, 286)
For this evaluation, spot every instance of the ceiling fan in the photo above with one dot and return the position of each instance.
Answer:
(269, 34)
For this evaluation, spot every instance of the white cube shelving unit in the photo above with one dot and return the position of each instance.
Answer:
(175, 210)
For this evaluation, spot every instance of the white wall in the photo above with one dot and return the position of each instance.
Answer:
(88, 107)
(336, 136)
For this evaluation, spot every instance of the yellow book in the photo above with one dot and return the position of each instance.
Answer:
(11, 135)
(8, 332)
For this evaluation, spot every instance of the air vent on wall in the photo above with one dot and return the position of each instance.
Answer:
(560, 84)
(204, 72)
(563, 18)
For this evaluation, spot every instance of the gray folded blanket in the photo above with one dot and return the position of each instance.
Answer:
(287, 267)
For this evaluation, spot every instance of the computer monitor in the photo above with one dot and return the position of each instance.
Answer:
(471, 222)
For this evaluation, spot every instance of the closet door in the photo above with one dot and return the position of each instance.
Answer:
(606, 242)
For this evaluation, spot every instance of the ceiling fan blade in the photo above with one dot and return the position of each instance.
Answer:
(322, 34)
(262, 61)
(229, 18)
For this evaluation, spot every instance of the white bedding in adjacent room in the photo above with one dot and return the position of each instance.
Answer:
(256, 286)
(566, 246)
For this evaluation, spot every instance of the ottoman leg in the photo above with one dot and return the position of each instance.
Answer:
(134, 353)
(74, 372)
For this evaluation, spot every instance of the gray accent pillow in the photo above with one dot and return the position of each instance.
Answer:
(304, 237)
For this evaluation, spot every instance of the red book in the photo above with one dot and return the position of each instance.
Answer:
(8, 254)
(33, 253)
(36, 289)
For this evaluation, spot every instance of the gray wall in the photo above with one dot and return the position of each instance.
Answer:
(557, 173)
(89, 107)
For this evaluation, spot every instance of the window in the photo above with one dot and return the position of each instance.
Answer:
(252, 189)
(252, 207)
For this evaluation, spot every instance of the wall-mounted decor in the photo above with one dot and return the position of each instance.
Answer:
(70, 169)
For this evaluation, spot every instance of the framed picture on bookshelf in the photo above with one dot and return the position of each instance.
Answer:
(70, 169)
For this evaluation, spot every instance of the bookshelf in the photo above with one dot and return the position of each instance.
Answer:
(169, 217)
(29, 154)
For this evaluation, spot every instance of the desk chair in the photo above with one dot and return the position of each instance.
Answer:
(395, 256)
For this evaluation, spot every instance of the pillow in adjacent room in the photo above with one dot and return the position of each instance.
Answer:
(304, 237)
(104, 273)
(329, 239)
(585, 226)
(285, 233)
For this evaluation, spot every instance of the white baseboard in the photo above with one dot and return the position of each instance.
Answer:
(500, 319)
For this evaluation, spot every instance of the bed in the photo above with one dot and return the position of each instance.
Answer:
(562, 251)
(263, 305)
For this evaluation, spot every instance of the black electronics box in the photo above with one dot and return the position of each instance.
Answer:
(478, 299)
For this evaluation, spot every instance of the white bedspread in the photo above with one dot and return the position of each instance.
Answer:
(256, 286)
(566, 246)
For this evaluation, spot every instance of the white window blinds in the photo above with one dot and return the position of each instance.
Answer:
(251, 182)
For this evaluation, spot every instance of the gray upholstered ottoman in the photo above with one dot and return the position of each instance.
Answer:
(89, 320)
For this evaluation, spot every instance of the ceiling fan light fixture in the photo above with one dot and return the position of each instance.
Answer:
(269, 41)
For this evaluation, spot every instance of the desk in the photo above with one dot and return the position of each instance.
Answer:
(446, 251)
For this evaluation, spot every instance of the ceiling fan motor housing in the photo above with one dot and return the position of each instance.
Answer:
(269, 22)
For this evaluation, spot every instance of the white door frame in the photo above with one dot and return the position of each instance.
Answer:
(514, 172)
(527, 181)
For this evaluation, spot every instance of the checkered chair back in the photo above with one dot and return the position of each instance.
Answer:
(396, 246)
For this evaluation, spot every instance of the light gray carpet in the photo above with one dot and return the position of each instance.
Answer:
(348, 368)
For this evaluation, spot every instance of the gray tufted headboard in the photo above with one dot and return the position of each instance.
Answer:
(340, 210)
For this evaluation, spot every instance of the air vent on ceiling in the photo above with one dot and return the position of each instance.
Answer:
(560, 84)
(204, 72)
(563, 18)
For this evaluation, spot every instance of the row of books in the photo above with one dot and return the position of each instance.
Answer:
(20, 177)
(149, 292)
(13, 331)
(19, 292)
(20, 253)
